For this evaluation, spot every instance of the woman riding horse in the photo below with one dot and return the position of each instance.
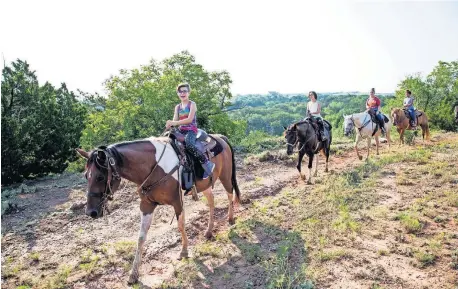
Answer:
(314, 114)
(408, 105)
(373, 105)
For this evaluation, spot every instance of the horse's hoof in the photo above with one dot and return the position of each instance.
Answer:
(133, 278)
(303, 177)
(326, 170)
(231, 221)
(360, 157)
(309, 182)
(208, 235)
(183, 255)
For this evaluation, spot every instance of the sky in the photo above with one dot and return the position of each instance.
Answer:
(284, 46)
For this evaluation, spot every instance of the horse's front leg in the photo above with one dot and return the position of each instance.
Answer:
(299, 162)
(179, 211)
(358, 138)
(147, 210)
(309, 181)
(388, 138)
(211, 204)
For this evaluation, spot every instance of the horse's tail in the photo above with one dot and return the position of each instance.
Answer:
(235, 186)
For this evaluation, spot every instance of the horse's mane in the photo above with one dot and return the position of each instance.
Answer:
(113, 151)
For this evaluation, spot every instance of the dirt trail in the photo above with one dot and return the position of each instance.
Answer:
(51, 224)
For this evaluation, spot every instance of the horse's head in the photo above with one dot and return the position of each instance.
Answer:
(396, 115)
(348, 125)
(102, 179)
(290, 134)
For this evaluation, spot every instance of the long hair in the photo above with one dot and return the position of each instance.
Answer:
(314, 94)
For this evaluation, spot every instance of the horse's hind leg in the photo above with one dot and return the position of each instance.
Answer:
(316, 166)
(211, 204)
(227, 184)
(147, 210)
(423, 130)
(377, 144)
(368, 147)
(327, 150)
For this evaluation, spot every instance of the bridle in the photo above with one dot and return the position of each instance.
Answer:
(364, 124)
(295, 143)
(112, 174)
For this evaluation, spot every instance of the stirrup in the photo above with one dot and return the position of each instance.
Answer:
(205, 167)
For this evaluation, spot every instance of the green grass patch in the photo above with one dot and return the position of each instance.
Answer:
(410, 222)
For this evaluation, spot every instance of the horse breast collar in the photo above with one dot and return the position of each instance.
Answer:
(146, 189)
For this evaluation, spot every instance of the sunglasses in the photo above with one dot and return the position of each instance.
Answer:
(183, 91)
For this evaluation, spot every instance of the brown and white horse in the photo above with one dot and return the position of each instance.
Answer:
(153, 165)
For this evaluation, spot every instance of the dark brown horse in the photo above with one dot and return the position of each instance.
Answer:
(153, 165)
(401, 121)
(304, 136)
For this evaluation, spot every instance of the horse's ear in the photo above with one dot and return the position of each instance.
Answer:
(285, 127)
(83, 153)
(101, 155)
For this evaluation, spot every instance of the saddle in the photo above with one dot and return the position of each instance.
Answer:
(374, 118)
(326, 126)
(191, 169)
(376, 121)
(417, 113)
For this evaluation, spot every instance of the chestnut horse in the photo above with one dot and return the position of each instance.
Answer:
(401, 121)
(154, 166)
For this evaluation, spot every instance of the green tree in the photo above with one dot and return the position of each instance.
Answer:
(140, 101)
(41, 126)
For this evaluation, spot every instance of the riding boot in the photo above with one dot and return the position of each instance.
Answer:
(322, 132)
(382, 127)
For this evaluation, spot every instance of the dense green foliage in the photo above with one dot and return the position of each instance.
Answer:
(140, 101)
(41, 125)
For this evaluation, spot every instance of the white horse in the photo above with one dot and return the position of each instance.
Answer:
(364, 127)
